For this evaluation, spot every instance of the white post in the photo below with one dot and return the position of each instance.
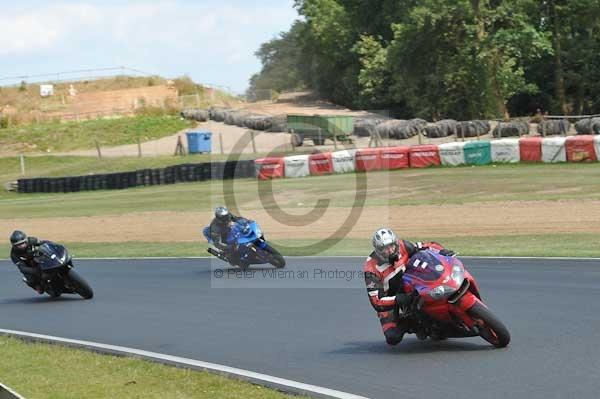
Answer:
(253, 143)
(22, 164)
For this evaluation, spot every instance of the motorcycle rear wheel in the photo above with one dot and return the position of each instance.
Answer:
(490, 327)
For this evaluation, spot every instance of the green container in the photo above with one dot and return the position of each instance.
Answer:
(321, 127)
(478, 152)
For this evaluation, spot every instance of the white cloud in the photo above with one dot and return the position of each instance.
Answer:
(164, 32)
(42, 29)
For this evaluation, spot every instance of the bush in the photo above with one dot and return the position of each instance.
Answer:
(185, 86)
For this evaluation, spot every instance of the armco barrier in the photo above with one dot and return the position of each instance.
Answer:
(580, 148)
(554, 149)
(142, 177)
(505, 150)
(530, 149)
(394, 157)
(320, 163)
(422, 156)
(368, 159)
(597, 146)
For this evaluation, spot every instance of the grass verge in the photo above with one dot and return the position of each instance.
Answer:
(46, 371)
(546, 245)
(435, 186)
(68, 136)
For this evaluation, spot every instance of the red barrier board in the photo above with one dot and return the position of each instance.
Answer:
(530, 149)
(394, 157)
(320, 163)
(368, 159)
(422, 156)
(580, 148)
(269, 168)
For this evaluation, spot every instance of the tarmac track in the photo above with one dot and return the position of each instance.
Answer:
(320, 329)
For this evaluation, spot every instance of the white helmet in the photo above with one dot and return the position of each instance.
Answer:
(386, 244)
(222, 215)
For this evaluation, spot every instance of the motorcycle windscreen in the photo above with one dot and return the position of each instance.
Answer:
(426, 266)
(50, 256)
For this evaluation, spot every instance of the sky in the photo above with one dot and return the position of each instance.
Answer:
(211, 41)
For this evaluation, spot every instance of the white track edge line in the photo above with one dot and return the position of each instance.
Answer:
(10, 391)
(283, 384)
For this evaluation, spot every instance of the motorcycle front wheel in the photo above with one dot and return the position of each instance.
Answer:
(80, 286)
(274, 257)
(490, 327)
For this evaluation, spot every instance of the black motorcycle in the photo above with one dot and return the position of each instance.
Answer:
(57, 274)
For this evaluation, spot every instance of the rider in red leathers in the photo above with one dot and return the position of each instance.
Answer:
(383, 271)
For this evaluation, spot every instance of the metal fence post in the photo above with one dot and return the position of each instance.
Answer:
(253, 143)
(98, 148)
(293, 140)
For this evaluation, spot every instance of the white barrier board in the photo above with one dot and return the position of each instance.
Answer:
(452, 154)
(343, 161)
(296, 166)
(554, 149)
(505, 150)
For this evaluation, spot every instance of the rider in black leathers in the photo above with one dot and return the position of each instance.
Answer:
(219, 229)
(22, 254)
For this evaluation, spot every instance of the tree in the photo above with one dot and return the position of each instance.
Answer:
(281, 58)
(445, 58)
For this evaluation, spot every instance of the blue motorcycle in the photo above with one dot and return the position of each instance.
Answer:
(249, 246)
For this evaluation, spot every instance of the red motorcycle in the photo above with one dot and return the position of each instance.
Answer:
(449, 303)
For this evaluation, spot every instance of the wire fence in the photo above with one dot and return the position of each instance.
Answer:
(72, 76)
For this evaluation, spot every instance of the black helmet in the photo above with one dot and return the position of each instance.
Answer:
(222, 215)
(18, 239)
